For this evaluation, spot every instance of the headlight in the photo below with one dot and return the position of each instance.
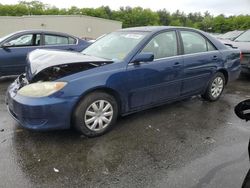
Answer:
(41, 89)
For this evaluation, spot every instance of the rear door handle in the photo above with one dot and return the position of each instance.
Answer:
(215, 58)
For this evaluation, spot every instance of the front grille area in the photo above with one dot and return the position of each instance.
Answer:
(21, 81)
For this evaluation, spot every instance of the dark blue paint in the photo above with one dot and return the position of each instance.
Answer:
(143, 57)
(135, 86)
(13, 59)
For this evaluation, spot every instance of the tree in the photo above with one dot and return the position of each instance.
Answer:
(164, 17)
(135, 16)
(34, 7)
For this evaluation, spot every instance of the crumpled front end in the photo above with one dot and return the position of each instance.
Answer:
(50, 65)
(37, 100)
(45, 113)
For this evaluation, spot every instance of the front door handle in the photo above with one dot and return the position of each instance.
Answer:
(177, 64)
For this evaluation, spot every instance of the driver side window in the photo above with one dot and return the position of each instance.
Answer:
(25, 40)
(163, 45)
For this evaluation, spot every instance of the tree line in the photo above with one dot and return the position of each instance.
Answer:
(131, 17)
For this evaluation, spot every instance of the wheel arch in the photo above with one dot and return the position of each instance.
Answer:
(107, 90)
(225, 73)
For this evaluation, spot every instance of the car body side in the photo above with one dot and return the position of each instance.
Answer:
(114, 77)
(125, 80)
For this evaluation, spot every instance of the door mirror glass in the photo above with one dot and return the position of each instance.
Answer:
(143, 57)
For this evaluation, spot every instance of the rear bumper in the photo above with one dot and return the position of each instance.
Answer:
(235, 73)
(245, 68)
(46, 113)
(245, 62)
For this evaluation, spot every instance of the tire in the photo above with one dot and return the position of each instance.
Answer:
(89, 116)
(215, 87)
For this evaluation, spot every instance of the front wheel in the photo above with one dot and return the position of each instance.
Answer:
(95, 114)
(215, 87)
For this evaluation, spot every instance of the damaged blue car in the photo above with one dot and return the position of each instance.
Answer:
(121, 73)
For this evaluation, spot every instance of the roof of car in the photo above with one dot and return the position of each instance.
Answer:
(42, 31)
(153, 28)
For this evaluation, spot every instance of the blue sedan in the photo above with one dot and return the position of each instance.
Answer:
(121, 73)
(15, 47)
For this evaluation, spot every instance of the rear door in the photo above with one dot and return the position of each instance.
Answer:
(201, 60)
(54, 41)
(13, 58)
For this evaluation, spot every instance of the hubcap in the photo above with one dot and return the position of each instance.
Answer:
(217, 87)
(98, 115)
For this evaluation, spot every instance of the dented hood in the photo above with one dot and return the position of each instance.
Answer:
(38, 60)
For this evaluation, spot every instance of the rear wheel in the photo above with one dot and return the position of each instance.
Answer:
(95, 114)
(215, 87)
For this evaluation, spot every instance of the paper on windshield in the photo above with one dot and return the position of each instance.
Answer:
(132, 36)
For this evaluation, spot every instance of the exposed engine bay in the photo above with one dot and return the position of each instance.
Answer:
(56, 72)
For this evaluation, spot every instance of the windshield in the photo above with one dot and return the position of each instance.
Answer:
(115, 46)
(245, 37)
(5, 37)
(231, 35)
(2, 39)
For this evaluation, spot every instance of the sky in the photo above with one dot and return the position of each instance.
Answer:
(215, 7)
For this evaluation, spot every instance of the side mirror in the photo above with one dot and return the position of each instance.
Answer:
(242, 110)
(143, 57)
(6, 45)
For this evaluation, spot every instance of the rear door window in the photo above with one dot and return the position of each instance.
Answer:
(56, 40)
(195, 43)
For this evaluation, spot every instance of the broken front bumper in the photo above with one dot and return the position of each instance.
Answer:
(43, 113)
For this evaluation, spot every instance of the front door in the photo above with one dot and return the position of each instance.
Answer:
(13, 57)
(159, 80)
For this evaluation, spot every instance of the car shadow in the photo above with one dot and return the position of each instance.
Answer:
(244, 77)
(140, 139)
